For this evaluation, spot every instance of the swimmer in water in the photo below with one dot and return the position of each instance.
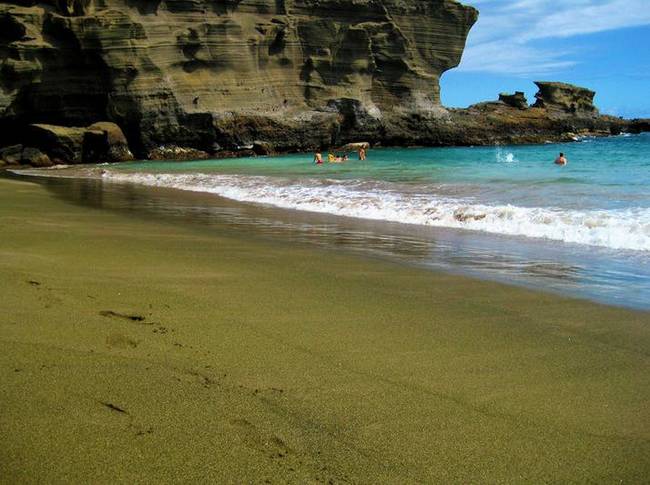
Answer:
(561, 160)
(318, 158)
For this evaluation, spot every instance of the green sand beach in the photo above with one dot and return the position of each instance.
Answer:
(141, 351)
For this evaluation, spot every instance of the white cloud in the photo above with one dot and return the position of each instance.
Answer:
(517, 60)
(592, 17)
(508, 34)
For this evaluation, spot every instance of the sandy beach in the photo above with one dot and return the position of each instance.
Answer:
(136, 350)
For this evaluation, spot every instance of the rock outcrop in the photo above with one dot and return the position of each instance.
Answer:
(217, 74)
(563, 112)
(21, 155)
(35, 158)
(49, 144)
(99, 142)
(639, 125)
(105, 141)
(516, 100)
(563, 98)
(11, 155)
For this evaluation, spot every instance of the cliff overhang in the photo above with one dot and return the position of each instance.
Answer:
(207, 78)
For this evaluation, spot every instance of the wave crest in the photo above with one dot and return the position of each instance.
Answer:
(615, 229)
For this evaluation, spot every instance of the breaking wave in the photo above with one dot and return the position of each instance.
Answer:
(615, 229)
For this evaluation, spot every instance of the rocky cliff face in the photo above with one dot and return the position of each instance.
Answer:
(214, 74)
(104, 80)
(563, 98)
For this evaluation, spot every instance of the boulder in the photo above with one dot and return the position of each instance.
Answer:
(35, 158)
(62, 143)
(263, 148)
(100, 142)
(113, 146)
(11, 155)
(563, 98)
(517, 100)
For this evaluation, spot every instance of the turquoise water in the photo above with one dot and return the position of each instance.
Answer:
(505, 212)
(600, 198)
(608, 173)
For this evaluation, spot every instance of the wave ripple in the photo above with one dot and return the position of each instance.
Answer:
(616, 229)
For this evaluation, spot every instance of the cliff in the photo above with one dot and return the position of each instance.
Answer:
(106, 80)
(213, 74)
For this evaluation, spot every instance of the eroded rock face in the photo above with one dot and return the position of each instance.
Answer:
(639, 125)
(99, 142)
(11, 155)
(190, 73)
(35, 158)
(516, 100)
(21, 155)
(565, 98)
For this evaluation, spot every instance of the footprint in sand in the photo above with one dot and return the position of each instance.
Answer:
(119, 341)
(123, 316)
(273, 446)
(46, 297)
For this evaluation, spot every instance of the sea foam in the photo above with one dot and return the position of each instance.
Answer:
(615, 229)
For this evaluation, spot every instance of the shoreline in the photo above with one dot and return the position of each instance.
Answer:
(184, 154)
(540, 263)
(141, 350)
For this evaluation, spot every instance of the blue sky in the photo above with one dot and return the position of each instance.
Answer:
(600, 44)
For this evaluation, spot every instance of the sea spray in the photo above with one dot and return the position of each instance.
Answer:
(502, 156)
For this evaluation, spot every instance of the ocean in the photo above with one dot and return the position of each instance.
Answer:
(505, 213)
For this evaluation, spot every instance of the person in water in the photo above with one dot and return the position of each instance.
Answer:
(561, 159)
(331, 158)
(362, 153)
(318, 158)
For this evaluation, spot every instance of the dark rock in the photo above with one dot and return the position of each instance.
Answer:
(100, 142)
(263, 148)
(638, 126)
(173, 152)
(61, 143)
(105, 142)
(233, 154)
(301, 132)
(35, 158)
(517, 100)
(117, 146)
(11, 155)
(565, 99)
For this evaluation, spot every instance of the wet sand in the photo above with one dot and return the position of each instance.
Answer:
(135, 350)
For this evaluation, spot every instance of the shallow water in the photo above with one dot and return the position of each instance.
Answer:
(600, 198)
(503, 213)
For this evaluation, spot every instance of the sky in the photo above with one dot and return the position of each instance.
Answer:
(603, 45)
